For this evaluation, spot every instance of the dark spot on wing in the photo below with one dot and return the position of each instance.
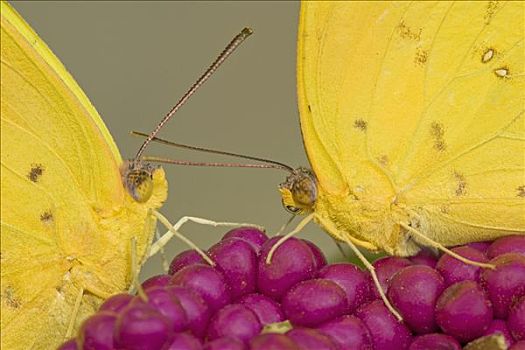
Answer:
(36, 171)
(46, 217)
(360, 124)
(408, 33)
(421, 57)
(437, 132)
(521, 191)
(492, 7)
(461, 188)
(10, 299)
(309, 108)
(383, 160)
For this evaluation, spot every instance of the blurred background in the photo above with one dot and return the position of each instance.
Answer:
(134, 60)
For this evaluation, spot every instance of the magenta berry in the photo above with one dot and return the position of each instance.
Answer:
(425, 257)
(236, 321)
(516, 320)
(167, 304)
(292, 262)
(185, 258)
(504, 245)
(413, 292)
(71, 344)
(184, 341)
(196, 309)
(273, 341)
(435, 341)
(349, 332)
(352, 280)
(96, 333)
(454, 270)
(311, 339)
(320, 259)
(386, 332)
(140, 327)
(225, 343)
(310, 303)
(386, 268)
(237, 261)
(267, 310)
(207, 282)
(116, 302)
(506, 283)
(253, 236)
(156, 281)
(463, 311)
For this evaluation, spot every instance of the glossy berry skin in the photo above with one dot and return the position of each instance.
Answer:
(116, 302)
(504, 245)
(506, 283)
(140, 327)
(184, 341)
(225, 343)
(291, 263)
(207, 282)
(435, 341)
(236, 321)
(310, 303)
(454, 270)
(425, 257)
(273, 341)
(352, 280)
(267, 310)
(463, 311)
(185, 258)
(349, 332)
(413, 292)
(516, 320)
(320, 259)
(311, 339)
(385, 269)
(196, 309)
(156, 281)
(386, 332)
(167, 304)
(256, 238)
(96, 333)
(237, 261)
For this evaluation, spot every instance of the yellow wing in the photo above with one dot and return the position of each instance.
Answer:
(419, 104)
(66, 218)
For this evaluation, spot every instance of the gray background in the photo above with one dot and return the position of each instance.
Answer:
(135, 59)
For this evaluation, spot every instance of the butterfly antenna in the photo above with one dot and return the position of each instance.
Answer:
(270, 164)
(230, 48)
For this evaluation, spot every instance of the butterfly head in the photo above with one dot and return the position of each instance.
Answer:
(299, 191)
(137, 177)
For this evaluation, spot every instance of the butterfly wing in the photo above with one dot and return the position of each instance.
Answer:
(66, 218)
(418, 103)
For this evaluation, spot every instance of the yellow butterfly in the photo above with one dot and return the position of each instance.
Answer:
(412, 119)
(66, 219)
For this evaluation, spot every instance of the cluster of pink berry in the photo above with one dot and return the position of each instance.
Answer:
(298, 301)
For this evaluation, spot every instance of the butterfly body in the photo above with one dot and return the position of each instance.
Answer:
(412, 116)
(70, 207)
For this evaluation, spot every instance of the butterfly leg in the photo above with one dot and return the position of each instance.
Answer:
(173, 231)
(74, 314)
(444, 249)
(297, 229)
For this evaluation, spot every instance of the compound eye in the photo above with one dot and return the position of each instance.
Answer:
(140, 185)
